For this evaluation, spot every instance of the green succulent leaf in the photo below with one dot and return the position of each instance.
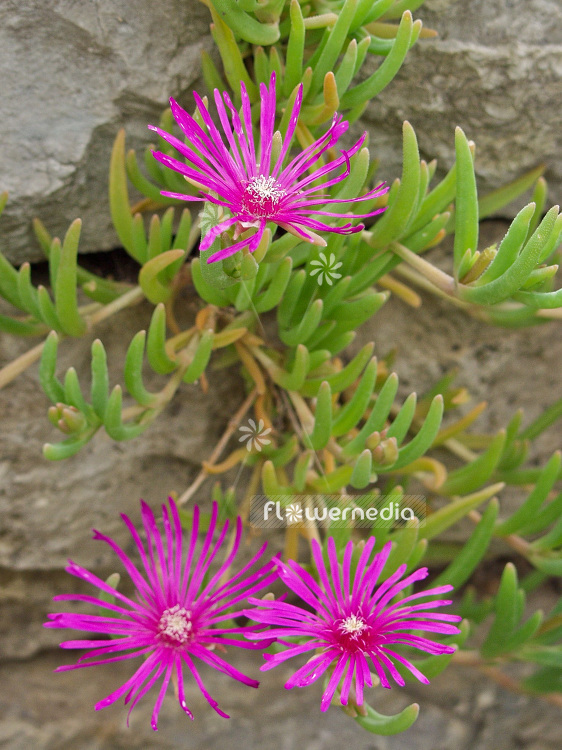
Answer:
(387, 725)
(477, 472)
(133, 371)
(113, 421)
(518, 266)
(66, 302)
(350, 414)
(384, 74)
(362, 470)
(155, 345)
(149, 282)
(466, 206)
(333, 46)
(341, 380)
(245, 25)
(545, 680)
(449, 514)
(403, 203)
(527, 512)
(464, 564)
(50, 384)
(506, 634)
(203, 346)
(119, 198)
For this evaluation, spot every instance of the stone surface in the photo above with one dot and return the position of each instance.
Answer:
(496, 70)
(72, 73)
(452, 713)
(38, 498)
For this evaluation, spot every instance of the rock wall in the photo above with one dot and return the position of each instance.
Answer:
(496, 70)
(72, 73)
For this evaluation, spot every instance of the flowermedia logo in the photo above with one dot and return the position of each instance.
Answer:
(255, 435)
(337, 511)
(327, 269)
(293, 513)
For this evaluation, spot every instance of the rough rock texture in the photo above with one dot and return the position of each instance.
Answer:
(496, 70)
(47, 512)
(458, 710)
(72, 73)
(39, 498)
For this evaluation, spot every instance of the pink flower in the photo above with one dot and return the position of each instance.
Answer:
(352, 623)
(177, 615)
(257, 188)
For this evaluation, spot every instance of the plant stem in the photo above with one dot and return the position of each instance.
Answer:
(414, 277)
(473, 659)
(132, 297)
(400, 290)
(17, 366)
(231, 427)
(435, 276)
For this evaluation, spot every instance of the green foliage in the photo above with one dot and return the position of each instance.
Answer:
(461, 568)
(75, 417)
(506, 633)
(386, 725)
(58, 311)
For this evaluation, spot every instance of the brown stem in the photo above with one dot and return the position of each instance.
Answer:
(132, 297)
(231, 427)
(19, 365)
(472, 659)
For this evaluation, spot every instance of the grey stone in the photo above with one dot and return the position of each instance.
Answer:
(496, 70)
(63, 718)
(47, 510)
(72, 74)
(49, 711)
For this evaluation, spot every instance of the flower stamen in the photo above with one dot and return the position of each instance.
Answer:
(262, 196)
(175, 627)
(353, 634)
(353, 625)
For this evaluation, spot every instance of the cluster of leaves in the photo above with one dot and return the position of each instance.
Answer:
(336, 425)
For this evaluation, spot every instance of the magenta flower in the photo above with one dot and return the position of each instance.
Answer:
(352, 623)
(257, 189)
(177, 615)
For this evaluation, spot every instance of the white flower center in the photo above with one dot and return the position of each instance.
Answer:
(353, 626)
(175, 626)
(262, 195)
